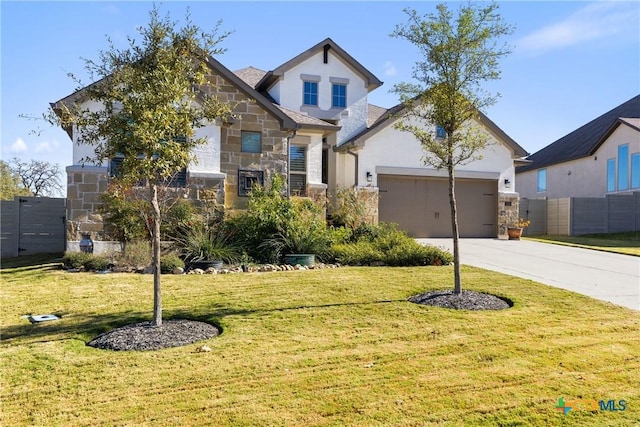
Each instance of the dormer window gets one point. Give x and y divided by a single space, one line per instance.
310 93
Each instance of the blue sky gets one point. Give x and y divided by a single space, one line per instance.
572 61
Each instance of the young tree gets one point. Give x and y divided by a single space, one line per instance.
42 178
459 53
10 185
153 95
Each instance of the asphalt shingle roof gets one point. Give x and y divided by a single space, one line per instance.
583 141
250 75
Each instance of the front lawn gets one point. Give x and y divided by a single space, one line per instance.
324 347
622 243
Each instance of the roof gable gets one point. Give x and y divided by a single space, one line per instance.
242 80
631 122
585 140
391 115
271 77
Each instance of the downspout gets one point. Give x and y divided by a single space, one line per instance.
355 157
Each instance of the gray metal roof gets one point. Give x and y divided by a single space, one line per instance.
585 140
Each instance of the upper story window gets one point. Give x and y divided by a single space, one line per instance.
611 175
339 96
440 132
310 93
542 180
251 142
623 167
635 170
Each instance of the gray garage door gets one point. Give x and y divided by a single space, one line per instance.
421 205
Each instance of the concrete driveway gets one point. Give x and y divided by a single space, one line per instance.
602 275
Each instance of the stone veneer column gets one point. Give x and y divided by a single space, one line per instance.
508 211
84 185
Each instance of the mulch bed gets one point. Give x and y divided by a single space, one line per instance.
145 336
468 300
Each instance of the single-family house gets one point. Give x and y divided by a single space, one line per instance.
598 159
309 120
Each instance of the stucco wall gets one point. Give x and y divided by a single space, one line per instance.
585 177
288 92
392 148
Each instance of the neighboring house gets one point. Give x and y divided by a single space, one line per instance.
598 159
309 120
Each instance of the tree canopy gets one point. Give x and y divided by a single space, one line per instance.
150 98
40 177
10 185
459 52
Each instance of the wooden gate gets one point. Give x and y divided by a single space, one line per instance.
32 225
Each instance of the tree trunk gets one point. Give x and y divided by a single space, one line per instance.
157 298
457 285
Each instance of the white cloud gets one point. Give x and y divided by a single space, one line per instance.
389 69
19 146
596 21
47 146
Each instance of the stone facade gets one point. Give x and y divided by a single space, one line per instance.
84 186
249 116
508 208
86 183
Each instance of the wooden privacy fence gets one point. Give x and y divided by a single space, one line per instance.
32 225
582 215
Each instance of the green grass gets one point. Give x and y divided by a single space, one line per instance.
623 243
326 347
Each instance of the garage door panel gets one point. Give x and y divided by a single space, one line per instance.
421 205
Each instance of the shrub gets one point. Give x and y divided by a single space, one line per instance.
354 207
359 253
274 225
385 244
75 259
88 261
135 254
169 262
305 232
97 263
202 242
